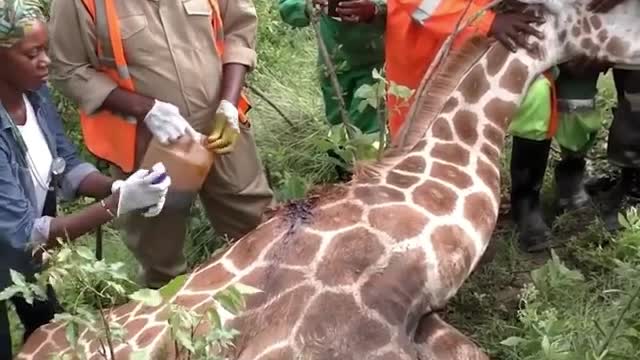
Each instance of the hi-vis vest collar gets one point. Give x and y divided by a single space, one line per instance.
425 10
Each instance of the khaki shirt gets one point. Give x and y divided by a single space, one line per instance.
169 47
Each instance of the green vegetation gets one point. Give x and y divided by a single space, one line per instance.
579 304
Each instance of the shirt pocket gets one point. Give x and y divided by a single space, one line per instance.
198 14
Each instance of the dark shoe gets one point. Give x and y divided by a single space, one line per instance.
528 165
570 190
619 198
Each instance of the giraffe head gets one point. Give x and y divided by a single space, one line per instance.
572 30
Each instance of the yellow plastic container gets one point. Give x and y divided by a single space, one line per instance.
187 162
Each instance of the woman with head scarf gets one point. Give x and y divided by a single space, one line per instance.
38 163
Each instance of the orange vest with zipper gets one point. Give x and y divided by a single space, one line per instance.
109 136
415 31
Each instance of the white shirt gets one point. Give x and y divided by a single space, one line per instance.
39 156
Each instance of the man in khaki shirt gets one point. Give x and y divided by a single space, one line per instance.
170 51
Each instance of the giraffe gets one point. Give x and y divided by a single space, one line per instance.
359 270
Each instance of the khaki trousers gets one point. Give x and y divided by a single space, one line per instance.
235 195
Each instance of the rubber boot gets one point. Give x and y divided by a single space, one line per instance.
571 193
528 165
618 198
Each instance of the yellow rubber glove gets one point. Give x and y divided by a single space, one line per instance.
226 129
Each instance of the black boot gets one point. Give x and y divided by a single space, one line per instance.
569 178
528 165
618 198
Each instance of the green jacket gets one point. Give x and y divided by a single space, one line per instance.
351 46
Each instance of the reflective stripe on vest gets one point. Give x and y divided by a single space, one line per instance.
425 10
576 105
109 136
553 119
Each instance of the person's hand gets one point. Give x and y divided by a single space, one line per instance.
356 11
167 125
226 128
601 6
142 190
512 29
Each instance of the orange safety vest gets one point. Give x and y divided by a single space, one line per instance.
415 31
109 136
553 120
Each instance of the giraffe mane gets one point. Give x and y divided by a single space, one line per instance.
439 87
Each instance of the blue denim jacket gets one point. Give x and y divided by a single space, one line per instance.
17 191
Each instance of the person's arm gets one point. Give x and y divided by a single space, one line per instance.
23 229
294 12
240 30
74 61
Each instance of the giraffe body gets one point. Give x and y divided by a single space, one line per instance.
356 271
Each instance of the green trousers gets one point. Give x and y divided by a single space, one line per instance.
576 130
350 81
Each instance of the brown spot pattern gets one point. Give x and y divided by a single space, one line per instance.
347 256
596 22
435 198
400 222
474 85
272 280
455 252
562 36
247 251
515 77
297 249
337 217
149 335
617 47
372 195
575 31
586 27
419 146
347 334
392 291
190 301
603 35
496 58
466 126
441 130
400 180
451 174
489 176
588 45
215 277
450 105
413 164
490 153
479 211
452 153
256 334
494 135
499 112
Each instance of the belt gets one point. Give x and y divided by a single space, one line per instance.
576 105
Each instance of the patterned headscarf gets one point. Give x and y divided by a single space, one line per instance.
17 17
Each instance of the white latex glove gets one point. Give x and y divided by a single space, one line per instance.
167 125
226 128
138 191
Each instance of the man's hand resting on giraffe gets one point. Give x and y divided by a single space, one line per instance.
601 6
512 28
226 128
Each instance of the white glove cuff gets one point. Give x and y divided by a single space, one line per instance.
116 185
231 112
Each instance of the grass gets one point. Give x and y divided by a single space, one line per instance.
497 302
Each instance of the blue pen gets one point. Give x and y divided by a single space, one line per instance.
160 178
